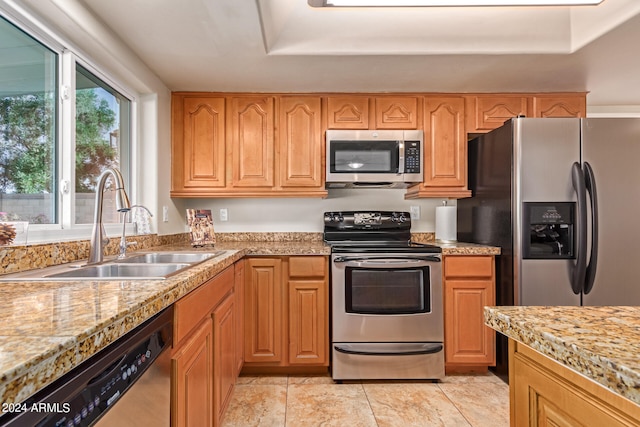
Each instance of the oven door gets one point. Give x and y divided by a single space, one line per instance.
387 298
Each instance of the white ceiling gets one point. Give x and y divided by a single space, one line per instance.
287 46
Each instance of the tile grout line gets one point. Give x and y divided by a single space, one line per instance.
286 402
364 390
454 404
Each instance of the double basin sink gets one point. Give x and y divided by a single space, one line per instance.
152 265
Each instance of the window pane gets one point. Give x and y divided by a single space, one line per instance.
102 141
28 82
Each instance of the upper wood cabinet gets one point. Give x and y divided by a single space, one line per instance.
300 142
445 149
348 112
559 105
377 112
272 145
397 112
488 112
245 145
251 132
198 149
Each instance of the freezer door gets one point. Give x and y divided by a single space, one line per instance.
612 148
544 152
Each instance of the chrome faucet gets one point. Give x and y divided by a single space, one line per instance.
123 240
98 235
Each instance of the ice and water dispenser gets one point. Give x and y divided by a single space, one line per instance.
548 230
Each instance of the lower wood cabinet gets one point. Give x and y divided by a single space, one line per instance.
469 285
544 392
239 309
286 311
192 379
204 359
225 367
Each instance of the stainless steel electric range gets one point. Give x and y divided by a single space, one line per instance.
387 311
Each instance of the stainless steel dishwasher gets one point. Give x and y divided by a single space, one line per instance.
126 384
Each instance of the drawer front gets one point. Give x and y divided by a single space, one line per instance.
198 304
468 266
307 266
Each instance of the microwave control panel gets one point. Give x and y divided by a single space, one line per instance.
412 157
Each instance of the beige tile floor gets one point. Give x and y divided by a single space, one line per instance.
301 401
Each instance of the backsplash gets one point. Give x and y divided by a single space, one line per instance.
20 258
29 257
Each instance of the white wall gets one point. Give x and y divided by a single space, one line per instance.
287 214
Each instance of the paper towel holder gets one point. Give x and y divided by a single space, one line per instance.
446 223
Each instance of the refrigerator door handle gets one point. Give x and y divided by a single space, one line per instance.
579 270
590 183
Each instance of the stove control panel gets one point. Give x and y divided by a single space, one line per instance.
367 220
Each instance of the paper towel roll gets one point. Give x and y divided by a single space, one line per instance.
446 223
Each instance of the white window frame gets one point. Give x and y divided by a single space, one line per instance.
68 57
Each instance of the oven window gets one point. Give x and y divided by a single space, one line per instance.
387 291
364 157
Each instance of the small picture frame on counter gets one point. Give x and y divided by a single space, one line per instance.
201 230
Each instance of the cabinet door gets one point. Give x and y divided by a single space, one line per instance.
198 144
300 141
397 112
224 356
308 310
468 287
192 387
489 112
468 341
348 112
559 106
239 295
445 150
308 337
252 146
546 393
445 143
264 315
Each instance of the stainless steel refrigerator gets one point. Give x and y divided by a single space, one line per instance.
561 197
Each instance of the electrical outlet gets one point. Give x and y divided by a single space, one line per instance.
415 212
224 214
165 214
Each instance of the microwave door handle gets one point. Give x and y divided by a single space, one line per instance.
400 157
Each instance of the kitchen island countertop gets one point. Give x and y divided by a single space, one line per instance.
601 343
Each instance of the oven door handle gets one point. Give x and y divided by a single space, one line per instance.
384 258
429 348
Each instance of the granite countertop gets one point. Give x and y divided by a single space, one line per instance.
461 248
601 343
51 327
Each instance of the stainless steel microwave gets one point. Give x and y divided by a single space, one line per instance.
374 158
